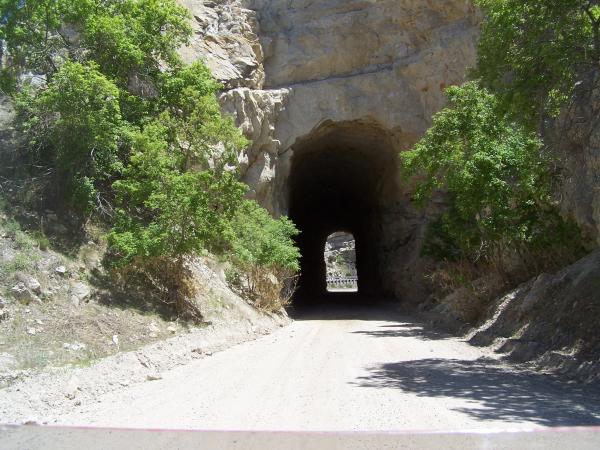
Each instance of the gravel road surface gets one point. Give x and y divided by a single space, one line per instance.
347 370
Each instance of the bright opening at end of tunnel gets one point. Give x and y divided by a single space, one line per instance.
340 263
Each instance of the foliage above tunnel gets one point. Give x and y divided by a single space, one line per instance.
531 51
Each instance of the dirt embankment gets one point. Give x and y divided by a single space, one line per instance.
59 307
550 322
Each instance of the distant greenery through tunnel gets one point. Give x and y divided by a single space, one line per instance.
340 263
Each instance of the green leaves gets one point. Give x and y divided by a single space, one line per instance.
135 36
482 153
74 125
130 40
193 115
166 210
530 52
261 241
30 32
80 108
492 170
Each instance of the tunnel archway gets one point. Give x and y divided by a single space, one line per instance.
344 176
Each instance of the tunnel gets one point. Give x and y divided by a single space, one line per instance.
343 178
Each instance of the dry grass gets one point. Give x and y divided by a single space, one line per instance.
170 279
59 326
269 291
56 332
467 289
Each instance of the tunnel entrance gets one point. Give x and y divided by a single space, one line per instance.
340 263
344 177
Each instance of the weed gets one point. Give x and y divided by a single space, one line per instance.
23 241
23 261
12 228
41 239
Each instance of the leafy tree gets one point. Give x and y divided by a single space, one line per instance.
130 40
74 125
481 150
531 51
196 126
494 174
166 210
167 214
84 73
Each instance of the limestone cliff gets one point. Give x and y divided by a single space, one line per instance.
300 73
575 140
298 64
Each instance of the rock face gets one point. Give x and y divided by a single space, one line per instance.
346 60
225 38
256 112
303 64
301 75
575 140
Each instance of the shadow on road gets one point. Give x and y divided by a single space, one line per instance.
500 393
345 306
411 329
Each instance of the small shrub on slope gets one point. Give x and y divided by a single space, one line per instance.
263 250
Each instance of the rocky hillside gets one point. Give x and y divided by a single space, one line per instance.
61 308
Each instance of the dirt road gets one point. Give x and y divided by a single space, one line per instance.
364 370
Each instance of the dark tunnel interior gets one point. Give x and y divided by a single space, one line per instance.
338 182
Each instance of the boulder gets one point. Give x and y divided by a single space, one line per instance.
79 292
30 282
22 294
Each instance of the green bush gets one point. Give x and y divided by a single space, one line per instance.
166 210
263 250
128 39
531 51
496 179
85 74
74 126
263 241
